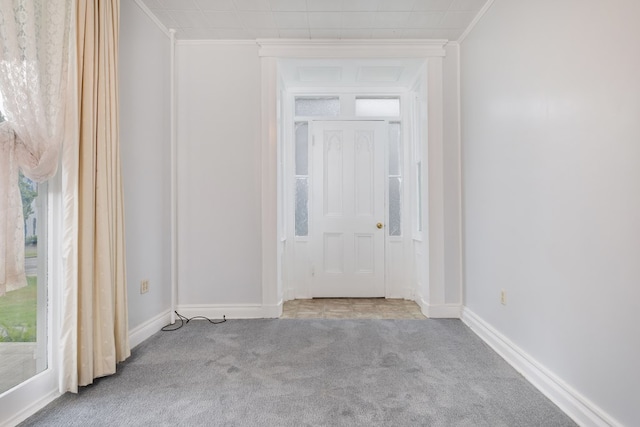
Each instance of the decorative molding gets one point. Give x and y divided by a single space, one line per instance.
231 311
475 20
579 408
173 126
141 332
409 48
272 311
30 410
439 311
268 149
216 42
153 17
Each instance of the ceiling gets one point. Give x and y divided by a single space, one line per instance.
315 19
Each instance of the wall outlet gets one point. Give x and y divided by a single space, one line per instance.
503 297
144 286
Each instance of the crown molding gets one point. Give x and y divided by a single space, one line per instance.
475 20
153 17
299 48
216 42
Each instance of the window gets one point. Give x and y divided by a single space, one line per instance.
377 107
395 179
23 315
23 311
317 106
302 179
2 119
419 196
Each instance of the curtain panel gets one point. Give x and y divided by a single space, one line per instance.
103 335
95 334
58 79
34 71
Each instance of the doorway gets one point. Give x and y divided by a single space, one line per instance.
348 213
416 255
345 195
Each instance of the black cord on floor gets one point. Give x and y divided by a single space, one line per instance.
184 320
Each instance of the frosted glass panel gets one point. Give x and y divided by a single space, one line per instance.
395 224
394 149
302 148
302 207
381 107
318 106
419 195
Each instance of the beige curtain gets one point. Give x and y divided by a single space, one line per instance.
102 324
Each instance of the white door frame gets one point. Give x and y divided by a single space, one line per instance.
432 295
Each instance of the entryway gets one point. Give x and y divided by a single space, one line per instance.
348 214
346 196
351 308
403 84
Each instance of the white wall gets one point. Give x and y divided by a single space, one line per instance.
219 186
551 164
145 146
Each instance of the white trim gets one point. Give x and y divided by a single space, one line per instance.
217 42
438 311
30 410
433 51
303 48
475 20
141 332
174 174
460 179
579 408
231 311
272 311
153 17
268 149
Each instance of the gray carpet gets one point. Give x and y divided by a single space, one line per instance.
294 372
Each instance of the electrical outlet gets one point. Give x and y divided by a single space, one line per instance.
144 286
503 297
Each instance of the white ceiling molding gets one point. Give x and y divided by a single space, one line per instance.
297 48
152 16
184 42
475 21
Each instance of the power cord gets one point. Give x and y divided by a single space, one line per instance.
184 320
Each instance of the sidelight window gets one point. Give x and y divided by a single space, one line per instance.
302 179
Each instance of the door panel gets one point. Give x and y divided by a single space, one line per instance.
348 202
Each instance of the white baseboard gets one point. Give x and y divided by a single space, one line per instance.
148 328
579 408
439 311
231 311
28 411
272 311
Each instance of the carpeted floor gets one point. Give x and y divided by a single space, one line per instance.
299 372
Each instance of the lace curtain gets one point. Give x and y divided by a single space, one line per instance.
34 66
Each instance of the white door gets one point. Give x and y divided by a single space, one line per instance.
348 209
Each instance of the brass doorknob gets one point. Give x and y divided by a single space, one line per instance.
379 225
